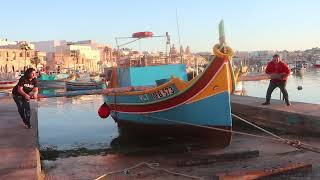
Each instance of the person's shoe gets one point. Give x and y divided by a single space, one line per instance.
288 103
29 126
265 103
24 125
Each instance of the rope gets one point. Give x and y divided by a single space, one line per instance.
154 166
213 128
258 127
293 143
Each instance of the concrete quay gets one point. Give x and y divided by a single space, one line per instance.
299 118
20 157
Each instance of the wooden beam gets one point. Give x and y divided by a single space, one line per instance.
267 173
212 158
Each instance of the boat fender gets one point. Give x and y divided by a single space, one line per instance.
229 52
104 111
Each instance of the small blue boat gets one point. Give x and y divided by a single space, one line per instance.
54 81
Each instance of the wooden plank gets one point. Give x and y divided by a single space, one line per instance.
212 158
287 170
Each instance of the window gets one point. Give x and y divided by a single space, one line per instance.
28 54
21 54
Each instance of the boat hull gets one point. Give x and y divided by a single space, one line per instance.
55 84
208 136
7 84
75 86
184 120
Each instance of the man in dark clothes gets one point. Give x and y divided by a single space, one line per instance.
279 72
20 93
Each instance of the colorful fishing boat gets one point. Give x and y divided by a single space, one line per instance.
173 106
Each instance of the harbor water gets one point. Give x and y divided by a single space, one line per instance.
67 123
309 81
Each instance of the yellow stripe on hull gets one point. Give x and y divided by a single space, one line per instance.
217 85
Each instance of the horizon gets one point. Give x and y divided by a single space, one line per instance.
249 26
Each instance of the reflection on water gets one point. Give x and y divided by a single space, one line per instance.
71 126
67 123
309 80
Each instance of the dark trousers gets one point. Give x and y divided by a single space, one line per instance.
282 86
23 108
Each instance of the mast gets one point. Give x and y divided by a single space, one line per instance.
181 61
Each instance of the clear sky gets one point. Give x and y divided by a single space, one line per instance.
249 24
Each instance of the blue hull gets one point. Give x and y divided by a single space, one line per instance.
212 111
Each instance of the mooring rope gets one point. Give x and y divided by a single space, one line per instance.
293 143
154 166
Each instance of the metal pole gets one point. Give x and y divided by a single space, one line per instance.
179 36
25 59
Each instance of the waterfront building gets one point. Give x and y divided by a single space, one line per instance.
84 55
18 56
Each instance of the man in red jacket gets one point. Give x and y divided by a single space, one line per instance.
278 72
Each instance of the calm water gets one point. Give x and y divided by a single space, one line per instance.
70 123
310 82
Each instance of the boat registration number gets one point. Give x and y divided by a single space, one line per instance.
162 93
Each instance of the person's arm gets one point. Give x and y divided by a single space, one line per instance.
25 95
268 69
35 93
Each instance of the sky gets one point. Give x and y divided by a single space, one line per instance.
249 24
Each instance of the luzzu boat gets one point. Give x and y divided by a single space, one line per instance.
175 107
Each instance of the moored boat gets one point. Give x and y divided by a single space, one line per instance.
84 85
7 84
174 106
54 81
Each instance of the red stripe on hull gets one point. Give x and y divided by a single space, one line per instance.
10 82
207 136
198 86
317 65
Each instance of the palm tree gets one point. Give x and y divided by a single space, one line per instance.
25 46
36 60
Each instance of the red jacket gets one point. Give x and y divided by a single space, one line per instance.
278 68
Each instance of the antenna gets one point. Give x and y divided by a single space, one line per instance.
179 35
